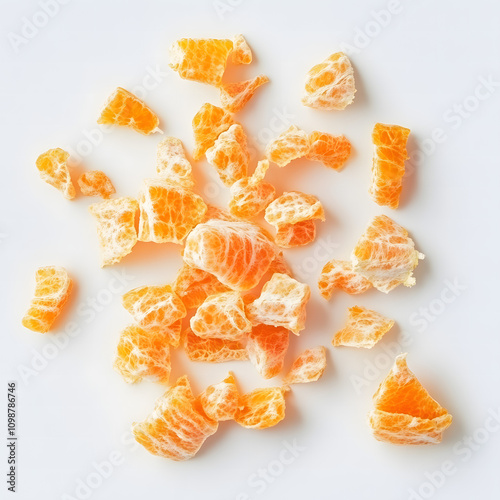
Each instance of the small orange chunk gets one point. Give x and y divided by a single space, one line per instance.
330 84
364 328
234 96
293 207
217 213
52 290
96 183
115 228
331 150
295 235
242 54
339 275
125 109
388 166
308 367
213 350
261 408
220 401
172 164
293 143
53 168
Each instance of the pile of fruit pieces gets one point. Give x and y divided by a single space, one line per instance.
234 277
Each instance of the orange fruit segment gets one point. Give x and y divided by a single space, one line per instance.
125 109
168 211
155 309
331 150
53 168
229 155
221 316
293 207
200 59
404 411
282 302
388 166
385 255
217 213
308 367
172 164
52 290
234 96
142 355
213 350
364 328
115 228
339 275
261 408
242 54
266 347
295 235
220 401
251 195
177 426
293 143
237 253
208 123
330 84
96 183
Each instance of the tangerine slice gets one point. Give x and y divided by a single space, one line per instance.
53 286
242 54
193 286
115 228
404 412
208 124
155 308
251 195
125 109
53 168
234 96
293 207
96 183
388 166
339 274
172 164
282 303
261 408
142 355
308 367
221 316
168 211
385 255
295 235
218 213
293 143
220 401
364 328
330 84
237 253
213 350
229 155
177 427
266 347
200 59
331 150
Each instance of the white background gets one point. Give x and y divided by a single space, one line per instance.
418 70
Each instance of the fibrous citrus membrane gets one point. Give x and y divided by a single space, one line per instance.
177 427
308 367
168 211
331 150
282 303
142 354
293 207
220 401
386 255
339 275
237 253
388 166
213 350
242 54
293 143
125 109
115 228
208 123
172 164
217 213
364 328
200 59
266 347
234 96
221 316
261 408
156 309
96 183
229 155
295 235
330 84
251 195
53 168
404 411
53 286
